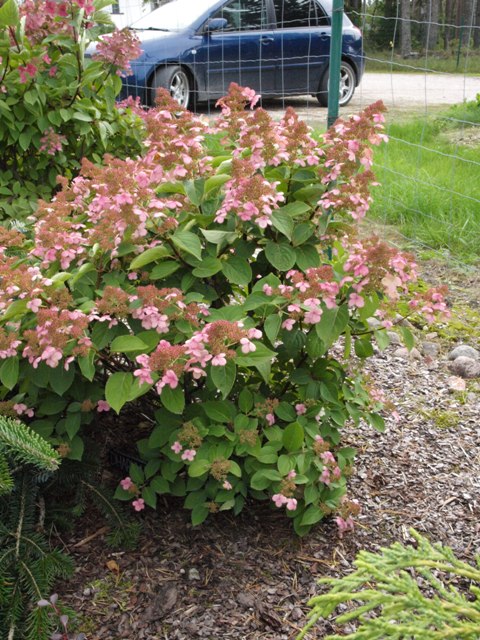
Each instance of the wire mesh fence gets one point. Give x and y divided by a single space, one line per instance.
422 59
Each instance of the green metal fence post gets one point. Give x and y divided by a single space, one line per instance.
335 60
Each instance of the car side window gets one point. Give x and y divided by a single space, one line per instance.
299 13
243 15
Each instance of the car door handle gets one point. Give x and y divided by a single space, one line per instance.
266 40
324 36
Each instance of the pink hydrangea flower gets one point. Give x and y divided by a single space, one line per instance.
138 504
189 454
328 457
226 485
22 409
176 447
288 324
291 474
300 409
219 360
291 504
102 405
325 476
247 346
279 499
344 525
126 483
270 418
34 305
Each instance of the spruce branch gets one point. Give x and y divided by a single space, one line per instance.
26 446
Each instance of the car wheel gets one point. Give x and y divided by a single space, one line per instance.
176 81
347 85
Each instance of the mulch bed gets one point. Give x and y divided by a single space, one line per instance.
250 578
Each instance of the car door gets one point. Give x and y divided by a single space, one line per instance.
242 51
302 43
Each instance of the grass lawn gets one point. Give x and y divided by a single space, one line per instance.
430 177
390 62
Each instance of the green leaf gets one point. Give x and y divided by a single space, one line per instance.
219 410
382 338
295 209
332 325
307 257
118 389
160 485
199 514
125 344
9 372
286 412
263 478
72 424
245 400
311 515
61 380
164 269
194 190
280 255
86 364
272 326
252 359
293 436
198 467
52 405
173 399
188 242
216 181
152 467
301 233
283 222
377 422
217 237
284 465
208 267
363 347
237 270
224 377
76 448
9 16
408 339
150 255
235 469
150 497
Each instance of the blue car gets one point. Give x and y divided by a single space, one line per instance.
196 48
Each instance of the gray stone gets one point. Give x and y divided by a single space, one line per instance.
430 349
455 383
464 350
405 354
394 337
374 323
193 574
465 367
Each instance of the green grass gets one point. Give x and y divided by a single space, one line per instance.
440 62
430 177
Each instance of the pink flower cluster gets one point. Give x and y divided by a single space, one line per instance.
51 142
279 499
118 49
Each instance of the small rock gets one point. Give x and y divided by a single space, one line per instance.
431 335
430 349
374 323
465 367
193 574
405 354
394 337
296 614
456 384
246 600
87 592
464 350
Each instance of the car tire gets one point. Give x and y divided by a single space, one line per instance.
176 80
347 85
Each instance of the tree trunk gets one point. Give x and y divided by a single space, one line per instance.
432 27
405 29
476 31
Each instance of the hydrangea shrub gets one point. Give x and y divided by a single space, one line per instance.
56 104
219 286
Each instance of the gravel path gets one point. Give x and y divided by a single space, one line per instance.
250 578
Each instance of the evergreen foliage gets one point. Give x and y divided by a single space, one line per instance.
28 567
404 593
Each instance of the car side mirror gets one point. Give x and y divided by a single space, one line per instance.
215 24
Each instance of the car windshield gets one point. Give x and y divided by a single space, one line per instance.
175 15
